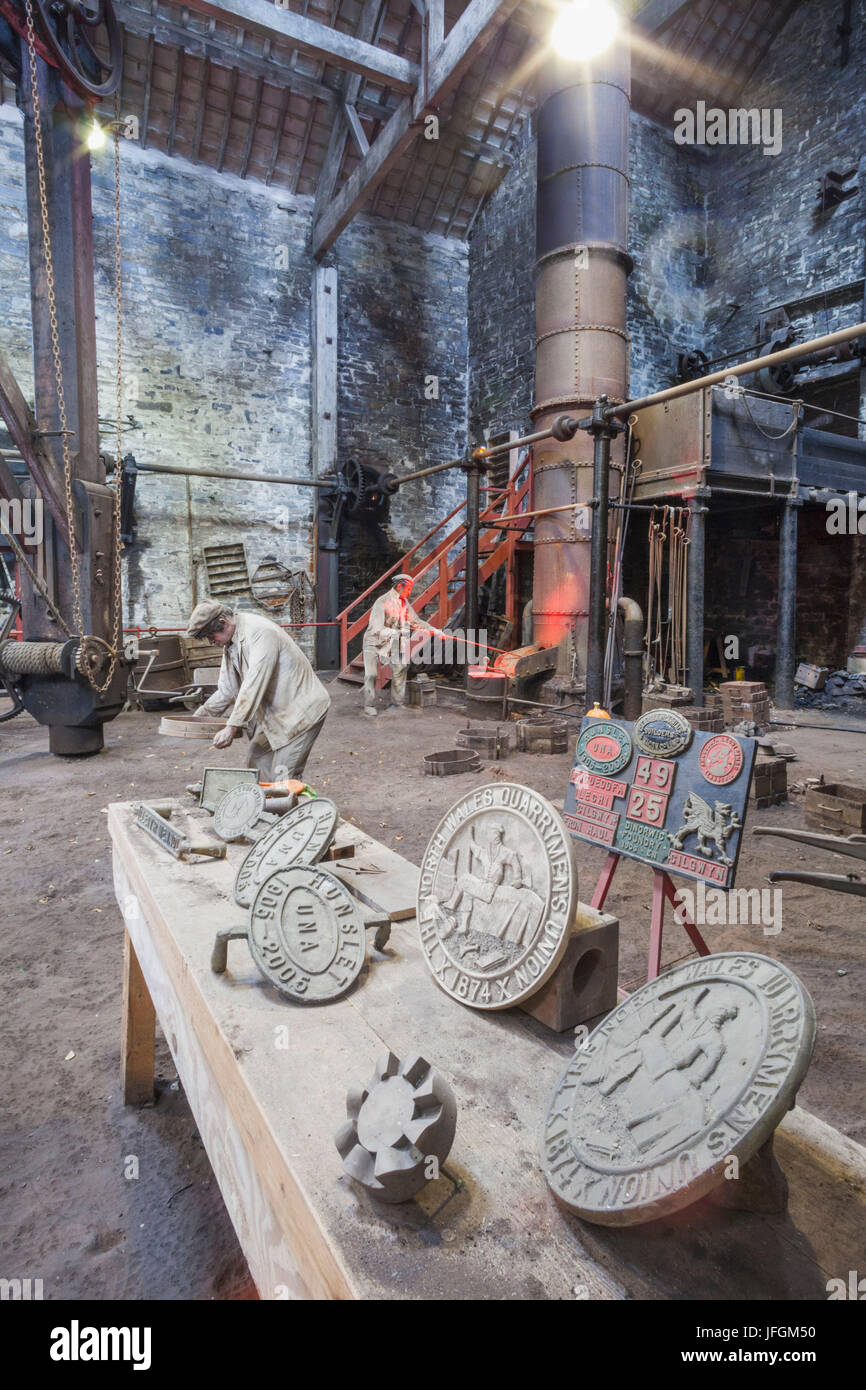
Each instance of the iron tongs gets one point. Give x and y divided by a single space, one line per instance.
853 845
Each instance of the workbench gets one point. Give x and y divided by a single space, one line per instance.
266 1081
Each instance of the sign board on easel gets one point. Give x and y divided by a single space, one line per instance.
660 792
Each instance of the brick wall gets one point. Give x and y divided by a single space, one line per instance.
742 582
667 240
401 379
502 301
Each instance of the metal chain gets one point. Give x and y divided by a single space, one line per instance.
117 614
75 566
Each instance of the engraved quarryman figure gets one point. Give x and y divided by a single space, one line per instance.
496 880
669 1062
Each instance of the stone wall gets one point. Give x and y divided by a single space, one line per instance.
769 243
216 280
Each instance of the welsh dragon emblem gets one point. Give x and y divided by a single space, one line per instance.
717 826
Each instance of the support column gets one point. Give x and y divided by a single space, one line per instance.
73 711
70 222
324 459
470 603
603 432
695 577
787 629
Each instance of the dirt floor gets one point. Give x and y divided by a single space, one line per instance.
73 1213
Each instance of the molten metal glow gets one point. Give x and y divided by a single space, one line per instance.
584 29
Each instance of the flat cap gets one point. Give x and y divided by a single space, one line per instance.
203 615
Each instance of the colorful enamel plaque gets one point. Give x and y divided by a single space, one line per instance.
661 792
604 747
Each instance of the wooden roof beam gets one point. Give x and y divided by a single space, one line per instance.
215 50
319 40
472 32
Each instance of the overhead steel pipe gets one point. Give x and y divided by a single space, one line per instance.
756 364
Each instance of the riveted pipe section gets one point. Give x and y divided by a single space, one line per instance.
582 342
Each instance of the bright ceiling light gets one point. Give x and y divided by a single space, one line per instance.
584 29
96 136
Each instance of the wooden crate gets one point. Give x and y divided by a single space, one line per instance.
836 806
198 653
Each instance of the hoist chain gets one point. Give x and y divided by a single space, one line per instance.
86 644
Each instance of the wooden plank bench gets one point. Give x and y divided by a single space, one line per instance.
266 1081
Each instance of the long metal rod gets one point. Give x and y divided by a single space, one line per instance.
786 638
757 364
695 570
434 468
598 571
481 453
231 473
470 605
510 444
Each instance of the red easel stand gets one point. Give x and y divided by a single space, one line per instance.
663 889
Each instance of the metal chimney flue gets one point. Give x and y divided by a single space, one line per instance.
582 343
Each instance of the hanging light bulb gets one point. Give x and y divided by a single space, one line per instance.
584 29
96 136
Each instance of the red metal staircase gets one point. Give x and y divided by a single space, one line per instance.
439 592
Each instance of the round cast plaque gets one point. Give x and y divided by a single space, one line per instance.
300 837
237 812
694 1067
306 934
496 896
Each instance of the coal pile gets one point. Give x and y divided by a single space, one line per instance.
843 690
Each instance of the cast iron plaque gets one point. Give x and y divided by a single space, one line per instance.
306 934
216 781
302 836
682 812
698 1065
238 811
496 896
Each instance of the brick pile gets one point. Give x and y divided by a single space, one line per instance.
707 721
769 782
745 702
667 697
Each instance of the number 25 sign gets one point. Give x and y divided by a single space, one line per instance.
648 798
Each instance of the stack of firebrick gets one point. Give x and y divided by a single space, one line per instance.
745 701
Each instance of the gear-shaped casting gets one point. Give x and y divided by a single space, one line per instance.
400 1128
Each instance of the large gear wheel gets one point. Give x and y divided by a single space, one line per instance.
92 658
356 487
66 34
